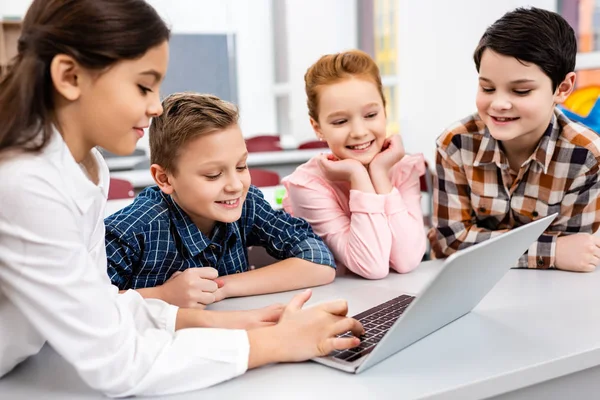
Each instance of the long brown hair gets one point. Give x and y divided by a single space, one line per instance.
96 33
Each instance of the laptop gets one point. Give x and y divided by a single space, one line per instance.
465 278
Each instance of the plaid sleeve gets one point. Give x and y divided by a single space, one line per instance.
284 236
454 226
121 256
579 212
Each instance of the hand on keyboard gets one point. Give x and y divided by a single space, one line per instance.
302 334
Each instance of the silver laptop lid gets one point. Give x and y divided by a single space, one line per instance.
465 278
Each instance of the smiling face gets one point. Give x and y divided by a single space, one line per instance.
211 180
515 99
351 119
114 106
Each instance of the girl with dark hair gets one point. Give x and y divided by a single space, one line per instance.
88 74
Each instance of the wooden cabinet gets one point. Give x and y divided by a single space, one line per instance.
10 30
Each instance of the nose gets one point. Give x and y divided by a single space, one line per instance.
234 183
155 107
501 103
359 129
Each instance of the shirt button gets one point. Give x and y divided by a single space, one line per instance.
481 209
540 262
212 247
237 271
535 214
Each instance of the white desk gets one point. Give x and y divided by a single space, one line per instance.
112 206
533 327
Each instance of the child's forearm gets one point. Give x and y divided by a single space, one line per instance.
196 318
381 181
290 274
362 182
151 293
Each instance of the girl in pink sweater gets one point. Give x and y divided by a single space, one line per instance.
364 198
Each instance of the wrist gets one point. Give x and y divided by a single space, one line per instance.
378 169
265 347
156 292
360 180
190 318
160 293
226 290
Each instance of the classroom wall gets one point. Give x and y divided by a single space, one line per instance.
250 21
437 78
315 27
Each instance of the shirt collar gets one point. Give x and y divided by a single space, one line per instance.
490 152
76 183
192 238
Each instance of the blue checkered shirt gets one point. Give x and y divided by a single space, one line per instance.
149 240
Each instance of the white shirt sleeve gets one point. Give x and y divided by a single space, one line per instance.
121 345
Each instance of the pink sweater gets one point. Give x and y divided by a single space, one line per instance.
368 233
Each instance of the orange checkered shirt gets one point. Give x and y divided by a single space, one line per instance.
476 198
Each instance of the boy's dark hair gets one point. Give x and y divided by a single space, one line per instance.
533 35
186 116
96 33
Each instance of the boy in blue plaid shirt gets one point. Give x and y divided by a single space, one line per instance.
185 240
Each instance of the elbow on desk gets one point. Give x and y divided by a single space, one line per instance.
409 263
368 272
327 275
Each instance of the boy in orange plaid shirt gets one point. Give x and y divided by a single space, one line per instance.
519 158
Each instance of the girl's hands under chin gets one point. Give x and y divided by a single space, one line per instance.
339 170
392 151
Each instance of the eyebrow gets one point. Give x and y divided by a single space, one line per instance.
340 113
157 75
513 82
220 163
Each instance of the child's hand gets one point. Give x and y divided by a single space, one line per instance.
579 252
249 319
312 332
339 170
391 152
192 288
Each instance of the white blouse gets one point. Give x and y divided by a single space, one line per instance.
54 287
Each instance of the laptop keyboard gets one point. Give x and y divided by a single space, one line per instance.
376 321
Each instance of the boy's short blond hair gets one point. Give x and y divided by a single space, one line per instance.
187 116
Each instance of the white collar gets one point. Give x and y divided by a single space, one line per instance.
76 183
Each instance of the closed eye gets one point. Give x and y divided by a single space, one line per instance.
339 122
371 115
522 92
144 89
242 168
487 90
213 177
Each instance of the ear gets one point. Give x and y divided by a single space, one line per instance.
565 88
162 178
65 74
317 128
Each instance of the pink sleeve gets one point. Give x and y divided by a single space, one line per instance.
405 216
356 240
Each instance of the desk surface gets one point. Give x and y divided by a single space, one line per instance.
521 334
